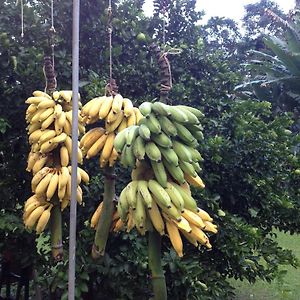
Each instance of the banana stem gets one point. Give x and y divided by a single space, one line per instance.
104 222
158 277
56 233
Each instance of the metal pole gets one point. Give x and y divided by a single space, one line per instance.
73 209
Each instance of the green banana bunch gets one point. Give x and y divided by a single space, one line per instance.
166 138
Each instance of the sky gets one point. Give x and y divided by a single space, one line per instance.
233 9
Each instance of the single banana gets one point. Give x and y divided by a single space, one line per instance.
43 220
52 187
156 218
128 107
96 215
175 238
117 103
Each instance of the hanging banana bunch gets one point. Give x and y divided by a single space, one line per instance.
49 129
166 138
117 113
161 149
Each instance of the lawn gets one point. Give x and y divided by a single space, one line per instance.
287 288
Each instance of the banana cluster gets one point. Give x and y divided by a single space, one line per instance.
166 137
50 130
37 211
117 114
146 205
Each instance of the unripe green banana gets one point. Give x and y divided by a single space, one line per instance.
120 140
184 134
171 211
152 123
167 126
139 214
160 173
139 148
189 201
182 151
153 151
161 108
178 115
162 140
198 135
170 155
145 108
123 158
174 171
131 134
131 191
144 191
130 158
175 196
123 206
187 168
159 192
193 110
196 156
196 167
144 132
192 118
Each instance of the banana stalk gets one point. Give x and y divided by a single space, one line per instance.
56 233
158 277
104 222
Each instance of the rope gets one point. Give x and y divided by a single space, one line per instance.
52 32
111 88
109 26
22 19
164 27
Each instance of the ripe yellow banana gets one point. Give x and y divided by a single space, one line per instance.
34 216
128 107
156 218
52 187
95 108
96 215
105 107
175 237
113 157
64 156
97 146
117 103
108 146
84 175
40 94
195 181
138 115
91 137
193 218
32 158
39 164
43 184
131 120
46 136
43 220
113 126
38 177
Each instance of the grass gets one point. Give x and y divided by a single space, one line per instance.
286 288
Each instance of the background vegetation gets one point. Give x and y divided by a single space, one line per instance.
250 150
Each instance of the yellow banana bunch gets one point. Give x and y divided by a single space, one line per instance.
49 119
145 204
117 113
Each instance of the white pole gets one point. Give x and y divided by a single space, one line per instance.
73 208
